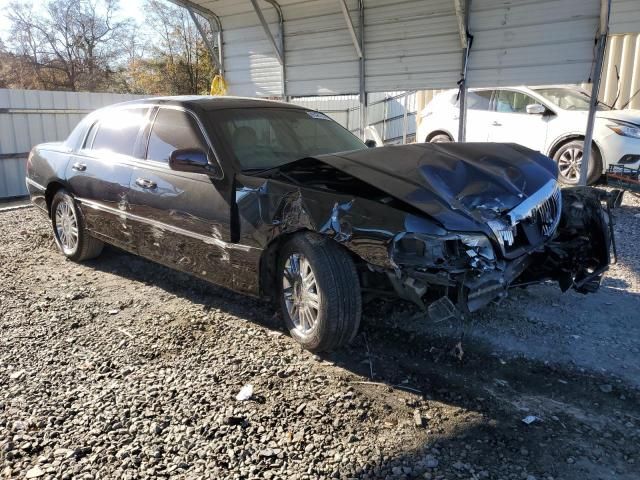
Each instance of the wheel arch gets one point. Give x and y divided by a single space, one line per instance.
564 139
53 187
438 132
267 273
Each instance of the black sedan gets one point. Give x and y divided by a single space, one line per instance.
275 200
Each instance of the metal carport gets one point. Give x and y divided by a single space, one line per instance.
284 48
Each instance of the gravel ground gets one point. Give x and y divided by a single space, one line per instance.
120 368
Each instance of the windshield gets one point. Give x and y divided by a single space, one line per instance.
568 99
263 138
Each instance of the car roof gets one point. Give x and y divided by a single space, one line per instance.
209 103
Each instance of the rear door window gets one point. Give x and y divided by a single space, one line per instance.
508 101
480 100
117 131
172 130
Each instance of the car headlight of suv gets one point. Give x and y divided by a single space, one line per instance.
625 129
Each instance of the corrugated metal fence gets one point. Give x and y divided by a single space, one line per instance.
29 117
623 56
393 114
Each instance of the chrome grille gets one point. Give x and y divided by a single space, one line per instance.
543 209
548 213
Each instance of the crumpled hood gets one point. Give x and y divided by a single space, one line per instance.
460 185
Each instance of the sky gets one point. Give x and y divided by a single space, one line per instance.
128 8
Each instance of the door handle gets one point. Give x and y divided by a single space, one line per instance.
144 183
496 124
79 167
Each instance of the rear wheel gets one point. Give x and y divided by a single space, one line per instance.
319 292
440 138
69 231
569 158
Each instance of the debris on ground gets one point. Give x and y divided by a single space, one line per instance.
529 419
245 393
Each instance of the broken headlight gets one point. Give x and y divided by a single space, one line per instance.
478 246
455 250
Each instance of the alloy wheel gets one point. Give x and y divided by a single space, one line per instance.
569 163
66 226
301 295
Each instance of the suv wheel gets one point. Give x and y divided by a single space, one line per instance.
68 229
440 138
569 158
319 292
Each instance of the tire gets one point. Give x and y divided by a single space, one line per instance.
570 155
334 287
440 138
66 220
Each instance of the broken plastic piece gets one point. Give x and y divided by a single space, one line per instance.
529 419
442 309
245 393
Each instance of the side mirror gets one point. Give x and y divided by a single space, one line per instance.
371 143
536 109
191 160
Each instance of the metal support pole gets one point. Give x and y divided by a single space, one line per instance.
362 90
462 12
205 38
352 30
405 120
595 90
210 16
218 29
267 31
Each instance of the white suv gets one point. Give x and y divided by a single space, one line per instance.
549 119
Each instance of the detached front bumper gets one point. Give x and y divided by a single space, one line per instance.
576 255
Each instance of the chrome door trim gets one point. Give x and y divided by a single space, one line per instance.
33 183
165 226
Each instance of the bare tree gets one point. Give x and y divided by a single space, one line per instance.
176 60
72 45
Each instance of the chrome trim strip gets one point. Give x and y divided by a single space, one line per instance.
28 182
526 208
165 226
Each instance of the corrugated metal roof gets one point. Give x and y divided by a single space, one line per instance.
251 67
625 16
409 44
414 44
320 56
532 42
623 60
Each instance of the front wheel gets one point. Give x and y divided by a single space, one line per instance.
69 231
569 158
319 292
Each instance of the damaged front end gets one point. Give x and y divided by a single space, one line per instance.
560 235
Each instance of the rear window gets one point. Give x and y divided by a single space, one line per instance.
117 131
